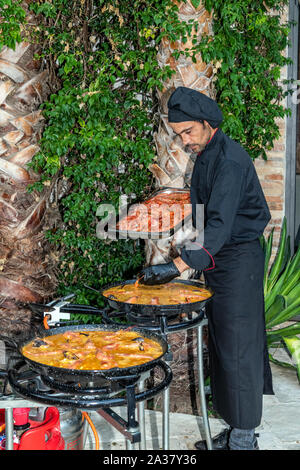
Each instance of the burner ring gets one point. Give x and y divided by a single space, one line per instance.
73 388
85 401
154 323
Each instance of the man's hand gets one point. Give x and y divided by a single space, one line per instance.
180 265
162 273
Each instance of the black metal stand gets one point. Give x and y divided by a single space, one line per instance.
160 324
32 391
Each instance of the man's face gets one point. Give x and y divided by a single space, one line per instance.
194 135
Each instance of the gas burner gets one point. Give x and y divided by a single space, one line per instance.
162 323
112 391
144 320
97 395
137 318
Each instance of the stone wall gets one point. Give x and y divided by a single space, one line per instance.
271 173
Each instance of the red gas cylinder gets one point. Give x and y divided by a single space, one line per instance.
40 435
45 435
2 417
21 417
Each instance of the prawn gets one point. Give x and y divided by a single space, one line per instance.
107 361
136 356
71 335
90 345
109 346
103 356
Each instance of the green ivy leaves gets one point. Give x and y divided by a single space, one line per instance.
12 17
249 44
100 124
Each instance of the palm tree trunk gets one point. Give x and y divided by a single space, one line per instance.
173 168
27 267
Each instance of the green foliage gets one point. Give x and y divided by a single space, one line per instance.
12 17
100 124
248 49
292 345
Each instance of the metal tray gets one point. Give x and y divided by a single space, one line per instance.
125 234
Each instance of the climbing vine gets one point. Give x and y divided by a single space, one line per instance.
100 121
12 17
249 50
102 112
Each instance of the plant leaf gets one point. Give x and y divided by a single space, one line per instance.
278 334
293 347
295 262
276 308
285 314
280 258
281 363
293 296
195 3
291 283
277 289
268 250
286 287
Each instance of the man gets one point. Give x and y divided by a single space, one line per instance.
235 215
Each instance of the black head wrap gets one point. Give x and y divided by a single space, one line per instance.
186 104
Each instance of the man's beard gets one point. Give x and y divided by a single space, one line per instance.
199 148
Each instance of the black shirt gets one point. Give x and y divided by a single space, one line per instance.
224 179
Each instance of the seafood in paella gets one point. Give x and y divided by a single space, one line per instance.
171 293
93 350
160 213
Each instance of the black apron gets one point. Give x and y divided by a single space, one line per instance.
239 367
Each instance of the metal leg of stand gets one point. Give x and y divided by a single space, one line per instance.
9 429
128 445
202 389
166 417
141 415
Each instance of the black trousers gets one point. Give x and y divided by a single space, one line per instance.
239 368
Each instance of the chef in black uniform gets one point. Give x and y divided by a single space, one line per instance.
224 180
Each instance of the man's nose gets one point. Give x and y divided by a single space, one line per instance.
185 139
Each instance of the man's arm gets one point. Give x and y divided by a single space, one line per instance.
220 214
221 211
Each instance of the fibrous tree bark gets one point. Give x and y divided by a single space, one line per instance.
173 168
27 264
